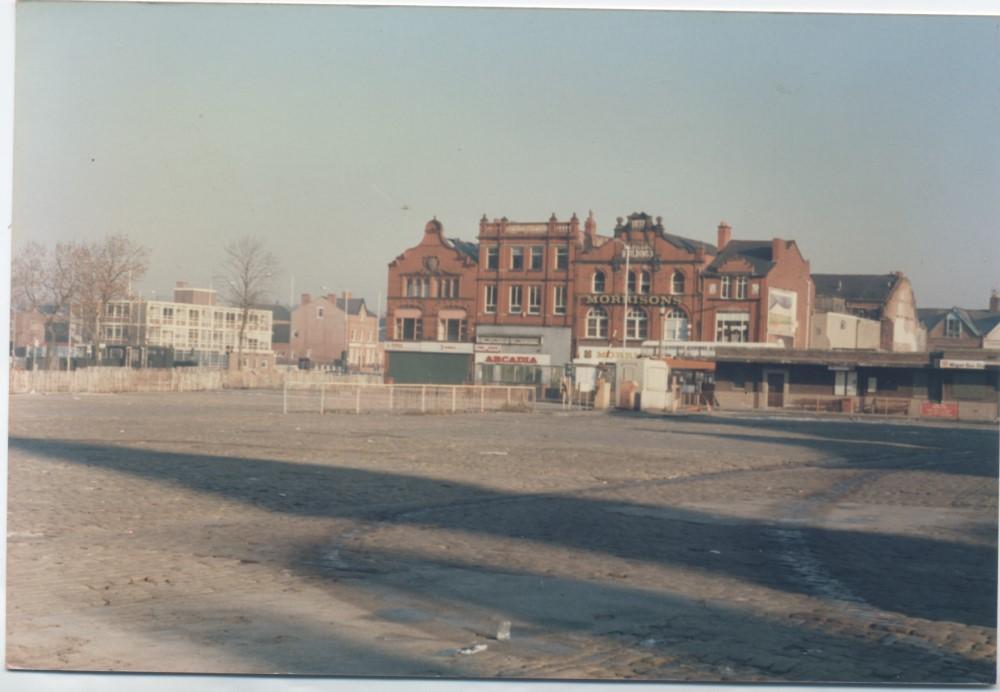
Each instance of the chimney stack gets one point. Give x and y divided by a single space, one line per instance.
725 235
995 301
777 249
182 284
306 299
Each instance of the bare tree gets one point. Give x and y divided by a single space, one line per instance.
47 285
246 279
28 277
105 271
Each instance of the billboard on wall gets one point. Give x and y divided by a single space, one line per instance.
781 308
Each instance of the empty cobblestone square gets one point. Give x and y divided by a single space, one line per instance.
207 532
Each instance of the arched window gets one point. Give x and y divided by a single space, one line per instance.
638 282
637 324
675 326
597 323
598 283
644 282
677 284
741 287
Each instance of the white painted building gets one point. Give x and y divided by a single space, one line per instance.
192 327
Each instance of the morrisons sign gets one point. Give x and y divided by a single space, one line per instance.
641 299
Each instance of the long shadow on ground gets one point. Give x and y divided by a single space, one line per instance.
940 580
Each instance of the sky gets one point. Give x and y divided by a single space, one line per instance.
335 133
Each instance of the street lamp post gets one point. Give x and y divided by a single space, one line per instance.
69 340
628 257
663 327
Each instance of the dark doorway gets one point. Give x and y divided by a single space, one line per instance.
775 390
935 388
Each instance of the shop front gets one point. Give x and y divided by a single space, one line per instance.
523 355
918 385
520 369
428 362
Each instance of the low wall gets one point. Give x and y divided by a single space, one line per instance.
874 406
977 410
111 380
734 400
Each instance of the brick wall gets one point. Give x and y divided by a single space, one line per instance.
433 260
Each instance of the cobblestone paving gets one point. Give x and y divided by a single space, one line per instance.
209 533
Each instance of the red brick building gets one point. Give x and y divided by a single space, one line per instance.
525 271
756 291
661 284
431 310
547 288
432 290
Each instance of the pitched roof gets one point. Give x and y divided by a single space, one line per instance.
979 322
353 305
688 244
278 312
757 253
986 321
467 248
868 288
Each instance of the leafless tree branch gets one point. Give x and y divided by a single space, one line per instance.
246 274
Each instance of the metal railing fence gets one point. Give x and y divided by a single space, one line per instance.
404 398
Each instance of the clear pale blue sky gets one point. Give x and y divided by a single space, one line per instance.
872 141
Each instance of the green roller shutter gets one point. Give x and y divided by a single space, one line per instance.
429 368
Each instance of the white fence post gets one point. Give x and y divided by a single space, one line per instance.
391 390
423 398
482 399
357 399
322 397
454 391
